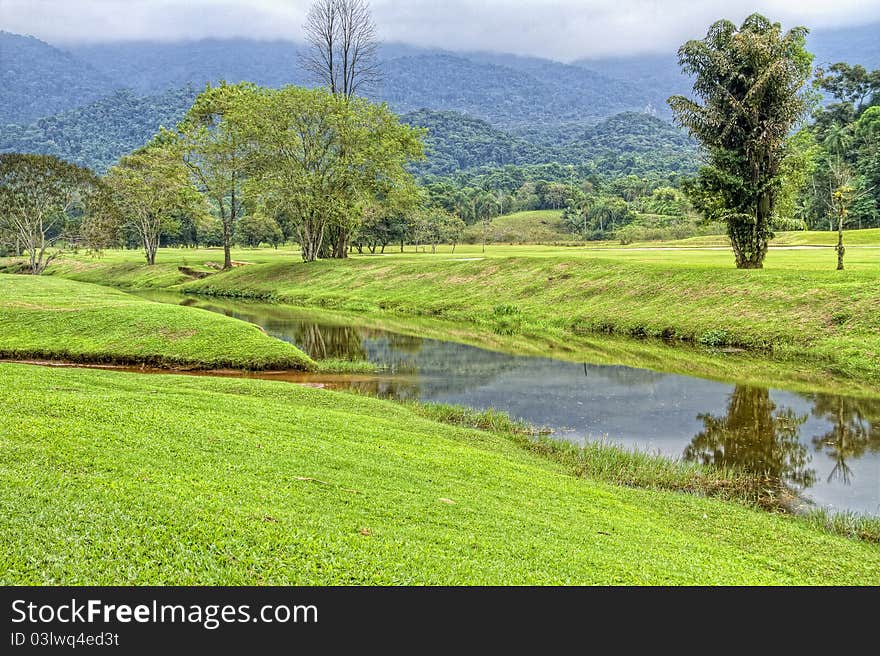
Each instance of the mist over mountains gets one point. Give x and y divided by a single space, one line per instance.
92 103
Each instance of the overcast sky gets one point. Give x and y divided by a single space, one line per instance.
559 29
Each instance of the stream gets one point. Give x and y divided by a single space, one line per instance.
826 447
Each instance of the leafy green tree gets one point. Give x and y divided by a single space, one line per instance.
214 149
150 188
42 203
440 227
796 171
256 228
598 216
750 81
854 85
845 189
320 159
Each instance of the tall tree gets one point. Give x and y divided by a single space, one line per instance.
214 150
844 190
42 202
320 159
343 46
750 81
150 188
342 56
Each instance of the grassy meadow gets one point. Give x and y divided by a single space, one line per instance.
797 311
120 478
45 318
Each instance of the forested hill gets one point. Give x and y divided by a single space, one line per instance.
39 80
626 143
457 142
528 90
99 133
545 93
658 76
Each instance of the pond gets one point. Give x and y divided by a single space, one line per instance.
825 446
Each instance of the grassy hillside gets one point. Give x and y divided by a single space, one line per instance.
866 237
797 311
108 480
535 227
51 318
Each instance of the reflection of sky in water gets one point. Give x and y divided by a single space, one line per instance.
636 408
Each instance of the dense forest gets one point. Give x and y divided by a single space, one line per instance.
504 133
97 134
39 80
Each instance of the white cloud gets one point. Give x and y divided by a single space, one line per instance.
562 29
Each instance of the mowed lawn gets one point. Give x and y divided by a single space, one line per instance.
797 309
43 317
116 478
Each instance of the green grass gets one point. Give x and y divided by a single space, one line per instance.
797 313
114 478
544 299
613 464
866 237
56 319
533 227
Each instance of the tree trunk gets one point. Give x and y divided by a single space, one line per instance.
748 237
840 249
227 256
340 250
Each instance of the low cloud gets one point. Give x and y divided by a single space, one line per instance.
560 29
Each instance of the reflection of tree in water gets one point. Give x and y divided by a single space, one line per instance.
855 430
323 342
756 437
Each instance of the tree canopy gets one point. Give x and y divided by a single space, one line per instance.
750 82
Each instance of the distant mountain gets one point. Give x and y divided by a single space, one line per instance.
854 45
502 95
659 76
38 80
626 143
98 134
483 109
503 89
150 67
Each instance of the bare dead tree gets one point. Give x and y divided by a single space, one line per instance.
343 53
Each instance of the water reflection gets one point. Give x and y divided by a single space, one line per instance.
854 431
754 435
826 444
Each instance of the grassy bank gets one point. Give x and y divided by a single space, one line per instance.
723 365
56 319
109 480
825 318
